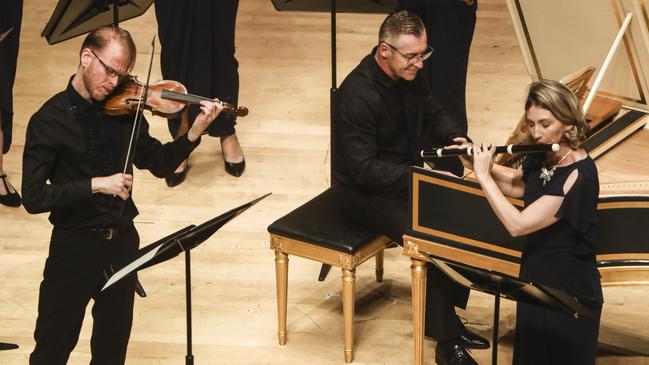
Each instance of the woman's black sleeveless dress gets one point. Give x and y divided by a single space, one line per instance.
561 256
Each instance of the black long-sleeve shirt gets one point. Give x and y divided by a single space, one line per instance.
380 125
69 141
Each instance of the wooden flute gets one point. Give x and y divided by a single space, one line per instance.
510 149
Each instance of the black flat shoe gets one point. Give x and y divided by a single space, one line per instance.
176 178
9 199
452 353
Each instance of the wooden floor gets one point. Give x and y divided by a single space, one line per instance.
285 79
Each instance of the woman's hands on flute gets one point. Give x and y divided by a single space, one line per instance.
483 159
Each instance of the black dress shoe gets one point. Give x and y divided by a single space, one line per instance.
452 353
10 199
176 178
472 340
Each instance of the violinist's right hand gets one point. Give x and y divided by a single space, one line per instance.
118 185
209 111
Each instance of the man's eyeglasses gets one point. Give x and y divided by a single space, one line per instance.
110 72
412 59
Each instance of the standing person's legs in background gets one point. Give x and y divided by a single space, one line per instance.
198 50
11 12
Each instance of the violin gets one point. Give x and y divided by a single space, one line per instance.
166 98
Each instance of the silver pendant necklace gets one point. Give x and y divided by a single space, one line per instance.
546 174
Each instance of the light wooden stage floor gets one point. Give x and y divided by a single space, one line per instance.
285 79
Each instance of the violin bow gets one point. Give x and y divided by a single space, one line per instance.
138 115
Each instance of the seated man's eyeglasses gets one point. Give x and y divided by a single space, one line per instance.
110 72
414 58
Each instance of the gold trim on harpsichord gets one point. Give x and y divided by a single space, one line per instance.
624 189
458 255
325 255
410 248
418 177
621 205
611 275
468 241
624 275
623 257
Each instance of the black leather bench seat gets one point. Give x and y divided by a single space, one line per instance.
320 221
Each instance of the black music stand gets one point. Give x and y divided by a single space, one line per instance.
170 247
72 18
333 7
506 286
7 346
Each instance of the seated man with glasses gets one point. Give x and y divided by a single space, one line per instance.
384 115
73 168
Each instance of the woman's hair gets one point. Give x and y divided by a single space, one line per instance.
101 37
563 104
400 23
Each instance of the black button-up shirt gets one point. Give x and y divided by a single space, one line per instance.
381 125
69 141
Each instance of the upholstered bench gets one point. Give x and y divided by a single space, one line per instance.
319 231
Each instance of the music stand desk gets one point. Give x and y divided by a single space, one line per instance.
171 246
487 281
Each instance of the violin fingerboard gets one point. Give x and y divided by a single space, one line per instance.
179 96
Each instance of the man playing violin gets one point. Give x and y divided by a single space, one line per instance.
73 167
384 115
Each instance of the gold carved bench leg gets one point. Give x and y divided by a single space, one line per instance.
281 281
349 283
379 266
418 273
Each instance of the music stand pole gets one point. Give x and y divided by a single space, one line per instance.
324 270
332 97
494 340
116 13
189 358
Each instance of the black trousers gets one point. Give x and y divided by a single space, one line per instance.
389 216
73 275
197 38
449 26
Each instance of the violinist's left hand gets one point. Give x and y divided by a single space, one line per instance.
209 111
